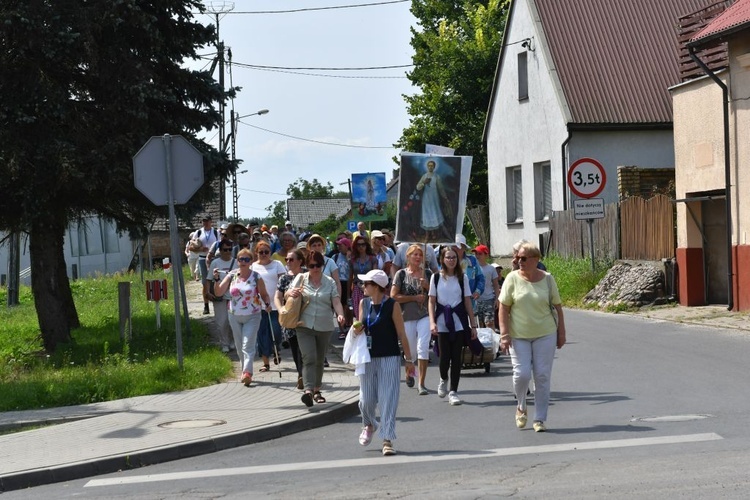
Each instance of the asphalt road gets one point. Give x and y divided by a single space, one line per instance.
639 408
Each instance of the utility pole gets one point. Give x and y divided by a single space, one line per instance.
218 9
235 196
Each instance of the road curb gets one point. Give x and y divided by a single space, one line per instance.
116 463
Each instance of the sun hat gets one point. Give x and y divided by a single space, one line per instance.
461 241
376 276
376 234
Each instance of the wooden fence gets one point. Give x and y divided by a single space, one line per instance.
647 228
570 237
636 229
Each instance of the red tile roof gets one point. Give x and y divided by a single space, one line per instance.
616 58
733 19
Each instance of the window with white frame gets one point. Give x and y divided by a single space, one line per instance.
514 194
523 76
542 191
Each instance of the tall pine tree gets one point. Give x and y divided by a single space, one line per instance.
85 84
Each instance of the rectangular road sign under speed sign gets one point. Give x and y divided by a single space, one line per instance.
592 208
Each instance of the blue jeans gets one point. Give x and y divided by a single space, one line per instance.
245 332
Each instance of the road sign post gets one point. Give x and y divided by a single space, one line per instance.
176 187
586 179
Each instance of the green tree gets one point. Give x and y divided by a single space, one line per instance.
84 85
456 50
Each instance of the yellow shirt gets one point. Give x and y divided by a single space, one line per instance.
529 303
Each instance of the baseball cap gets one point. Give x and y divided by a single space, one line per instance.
482 249
344 241
376 276
376 234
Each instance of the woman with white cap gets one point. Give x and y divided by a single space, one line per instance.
381 320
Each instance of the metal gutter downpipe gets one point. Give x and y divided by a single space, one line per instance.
727 171
564 168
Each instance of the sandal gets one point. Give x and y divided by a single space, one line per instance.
318 397
307 398
265 368
388 449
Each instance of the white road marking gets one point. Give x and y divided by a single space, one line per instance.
403 459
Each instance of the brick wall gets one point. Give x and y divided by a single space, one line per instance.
645 182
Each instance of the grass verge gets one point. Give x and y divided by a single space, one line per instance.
574 277
96 366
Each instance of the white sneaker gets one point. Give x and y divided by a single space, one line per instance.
225 349
453 399
442 388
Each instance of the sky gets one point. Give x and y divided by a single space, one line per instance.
369 113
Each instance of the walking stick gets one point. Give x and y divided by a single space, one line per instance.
276 356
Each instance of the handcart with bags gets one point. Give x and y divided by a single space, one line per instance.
490 342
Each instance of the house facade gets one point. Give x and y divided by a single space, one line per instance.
712 181
584 79
92 246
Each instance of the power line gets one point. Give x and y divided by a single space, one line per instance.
327 76
311 9
262 192
298 68
315 141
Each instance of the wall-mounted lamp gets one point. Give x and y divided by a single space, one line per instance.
528 44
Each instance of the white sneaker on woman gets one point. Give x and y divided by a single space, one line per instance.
453 399
442 388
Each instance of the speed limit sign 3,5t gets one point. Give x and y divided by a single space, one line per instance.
586 178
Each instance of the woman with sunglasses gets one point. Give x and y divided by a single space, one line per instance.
382 321
270 330
314 335
248 300
362 261
529 332
216 271
294 263
288 243
451 319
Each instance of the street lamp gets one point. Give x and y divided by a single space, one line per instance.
261 112
235 196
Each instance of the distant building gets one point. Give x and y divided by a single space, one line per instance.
303 213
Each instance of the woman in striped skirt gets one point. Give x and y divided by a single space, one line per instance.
383 324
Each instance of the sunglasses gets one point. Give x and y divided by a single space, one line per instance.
524 258
291 259
264 252
244 259
314 266
450 258
226 249
361 244
366 283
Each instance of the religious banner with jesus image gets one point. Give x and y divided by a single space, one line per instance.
432 197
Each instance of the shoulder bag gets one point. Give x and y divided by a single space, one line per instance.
552 308
289 315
